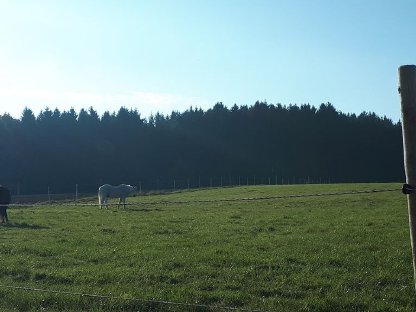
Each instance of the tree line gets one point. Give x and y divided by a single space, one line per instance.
286 143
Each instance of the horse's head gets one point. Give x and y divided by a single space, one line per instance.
132 189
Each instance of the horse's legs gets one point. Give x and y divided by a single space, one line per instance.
3 214
122 201
100 201
119 202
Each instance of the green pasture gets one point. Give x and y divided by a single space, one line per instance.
324 253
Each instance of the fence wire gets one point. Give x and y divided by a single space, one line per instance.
202 201
106 297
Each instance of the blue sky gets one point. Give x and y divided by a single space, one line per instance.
159 56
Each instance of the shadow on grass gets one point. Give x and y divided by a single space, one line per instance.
137 209
24 226
146 209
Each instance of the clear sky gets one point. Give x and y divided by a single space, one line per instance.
159 56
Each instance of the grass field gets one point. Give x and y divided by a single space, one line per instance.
326 253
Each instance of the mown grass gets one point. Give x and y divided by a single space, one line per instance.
328 253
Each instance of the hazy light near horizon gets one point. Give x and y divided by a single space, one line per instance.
146 103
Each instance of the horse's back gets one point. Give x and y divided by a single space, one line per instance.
105 186
116 191
122 190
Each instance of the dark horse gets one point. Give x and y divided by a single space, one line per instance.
4 203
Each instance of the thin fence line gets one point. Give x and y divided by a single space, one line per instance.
107 297
202 201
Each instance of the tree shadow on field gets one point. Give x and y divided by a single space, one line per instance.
24 226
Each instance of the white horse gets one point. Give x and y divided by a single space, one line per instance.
121 191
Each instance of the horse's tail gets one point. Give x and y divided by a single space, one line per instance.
100 198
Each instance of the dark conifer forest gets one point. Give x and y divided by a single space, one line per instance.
262 143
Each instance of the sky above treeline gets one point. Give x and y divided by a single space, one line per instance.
164 56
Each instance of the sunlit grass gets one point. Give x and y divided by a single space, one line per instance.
329 253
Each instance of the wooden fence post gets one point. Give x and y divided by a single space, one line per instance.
407 90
